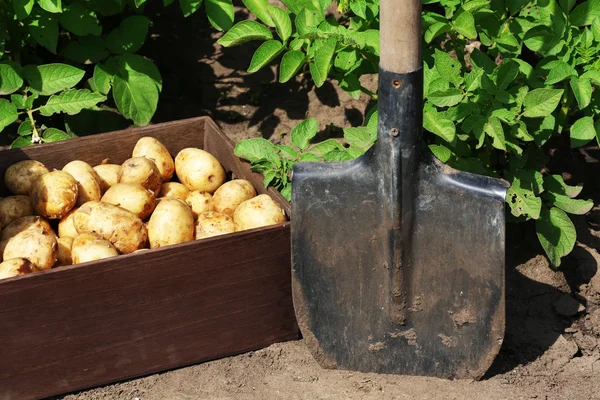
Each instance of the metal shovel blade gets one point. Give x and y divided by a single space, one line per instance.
398 259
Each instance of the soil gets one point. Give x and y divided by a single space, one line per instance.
551 348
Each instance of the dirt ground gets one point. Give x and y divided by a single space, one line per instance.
552 344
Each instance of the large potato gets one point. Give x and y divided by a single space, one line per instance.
231 194
256 212
174 189
24 223
132 197
14 207
154 150
35 245
16 267
213 223
171 222
107 175
115 224
66 227
90 247
199 201
65 244
19 176
87 181
199 170
54 194
143 171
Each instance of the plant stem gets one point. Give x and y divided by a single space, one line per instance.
35 136
368 92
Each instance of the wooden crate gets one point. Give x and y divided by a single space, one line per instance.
77 327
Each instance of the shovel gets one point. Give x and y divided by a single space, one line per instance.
398 259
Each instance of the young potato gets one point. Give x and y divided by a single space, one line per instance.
35 245
117 225
154 150
199 202
19 176
213 223
231 194
24 223
87 181
171 222
3 244
54 194
142 171
16 267
199 170
256 212
14 207
174 189
132 197
108 175
90 247
64 251
66 227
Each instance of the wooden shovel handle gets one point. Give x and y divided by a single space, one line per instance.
400 35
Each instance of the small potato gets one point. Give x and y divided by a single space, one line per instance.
36 246
107 174
213 223
19 176
199 202
54 194
199 170
3 244
171 222
64 251
174 189
231 194
87 181
66 227
154 150
24 223
256 212
117 225
132 197
142 171
16 267
90 247
14 207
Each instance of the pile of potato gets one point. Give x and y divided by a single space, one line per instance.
109 209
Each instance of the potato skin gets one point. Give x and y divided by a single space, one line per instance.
54 194
199 170
171 222
213 223
231 194
16 267
64 251
24 223
14 207
256 212
35 245
120 227
19 176
107 175
132 197
174 189
154 150
199 202
90 247
142 171
87 181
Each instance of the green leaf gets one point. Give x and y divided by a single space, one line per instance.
446 98
473 80
21 141
303 133
593 76
106 7
519 131
582 89
464 23
71 102
337 156
566 5
305 21
103 76
282 22
8 113
130 36
567 204
48 79
559 72
441 152
256 149
290 65
243 32
448 67
22 8
307 157
85 50
322 148
139 3
360 139
188 7
371 117
507 73
260 8
52 6
439 126
522 199
556 234
585 13
25 128
286 192
79 20
436 29
18 101
319 67
582 131
542 39
346 59
494 130
54 135
541 102
596 29
136 64
44 29
266 53
556 184
220 13
480 60
359 7
289 153
10 77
